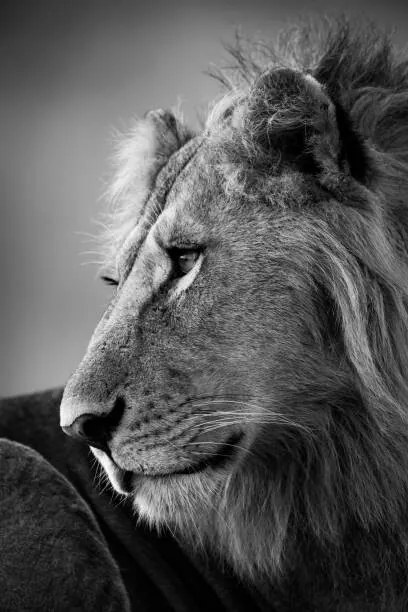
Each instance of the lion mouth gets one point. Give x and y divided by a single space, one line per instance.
214 461
217 460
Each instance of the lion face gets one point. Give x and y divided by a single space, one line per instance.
191 348
211 336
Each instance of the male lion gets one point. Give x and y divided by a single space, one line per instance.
247 385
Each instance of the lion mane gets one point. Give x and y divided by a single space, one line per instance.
318 519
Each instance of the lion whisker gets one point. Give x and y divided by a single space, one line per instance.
215 443
274 420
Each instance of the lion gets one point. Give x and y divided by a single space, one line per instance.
247 386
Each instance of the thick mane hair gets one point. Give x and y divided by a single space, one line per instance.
327 508
338 496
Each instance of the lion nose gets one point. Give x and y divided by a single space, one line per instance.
90 429
96 430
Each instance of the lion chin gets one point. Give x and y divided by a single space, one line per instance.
172 499
247 386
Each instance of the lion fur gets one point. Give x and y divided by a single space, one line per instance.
352 474
317 518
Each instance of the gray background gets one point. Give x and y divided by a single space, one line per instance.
70 72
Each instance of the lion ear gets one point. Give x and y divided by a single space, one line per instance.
292 117
142 152
168 133
140 155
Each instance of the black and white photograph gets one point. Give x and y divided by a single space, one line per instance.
204 306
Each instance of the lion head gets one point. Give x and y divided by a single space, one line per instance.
247 384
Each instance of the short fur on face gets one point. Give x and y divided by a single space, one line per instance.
279 367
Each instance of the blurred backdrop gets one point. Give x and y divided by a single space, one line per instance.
71 71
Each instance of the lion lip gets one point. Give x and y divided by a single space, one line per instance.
126 479
217 460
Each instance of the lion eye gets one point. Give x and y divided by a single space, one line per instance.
110 281
183 260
